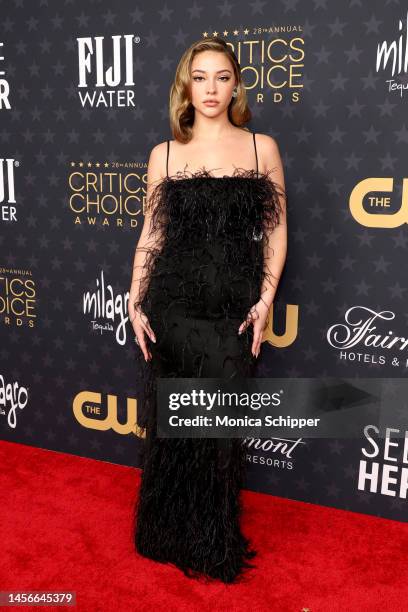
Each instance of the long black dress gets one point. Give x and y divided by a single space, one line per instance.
203 280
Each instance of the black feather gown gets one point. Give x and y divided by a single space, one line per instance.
202 280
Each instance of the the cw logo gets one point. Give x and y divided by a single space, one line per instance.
375 219
94 401
291 327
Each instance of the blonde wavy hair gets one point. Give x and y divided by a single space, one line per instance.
181 109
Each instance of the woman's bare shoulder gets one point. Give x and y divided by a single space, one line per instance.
265 141
157 162
159 149
268 150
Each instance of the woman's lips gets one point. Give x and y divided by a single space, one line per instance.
211 103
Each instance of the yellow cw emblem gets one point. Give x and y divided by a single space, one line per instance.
87 406
291 327
378 202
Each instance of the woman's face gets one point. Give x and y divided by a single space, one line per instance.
212 78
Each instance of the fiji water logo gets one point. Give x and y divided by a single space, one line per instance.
108 66
7 189
4 84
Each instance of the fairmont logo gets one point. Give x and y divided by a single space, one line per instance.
360 330
112 78
272 452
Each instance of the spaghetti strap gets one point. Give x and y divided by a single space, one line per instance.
167 161
256 154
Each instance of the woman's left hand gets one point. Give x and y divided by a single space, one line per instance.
257 316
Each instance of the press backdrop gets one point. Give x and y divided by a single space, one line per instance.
83 99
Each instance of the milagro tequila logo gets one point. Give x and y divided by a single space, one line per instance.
107 65
393 57
359 333
7 189
4 84
109 311
12 397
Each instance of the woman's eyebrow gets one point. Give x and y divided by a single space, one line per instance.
223 70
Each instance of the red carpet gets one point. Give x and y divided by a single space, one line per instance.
66 524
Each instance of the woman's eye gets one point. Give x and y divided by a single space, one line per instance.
198 78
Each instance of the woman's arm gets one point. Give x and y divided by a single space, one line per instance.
275 240
149 241
274 245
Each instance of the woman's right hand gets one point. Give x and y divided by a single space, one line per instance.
141 325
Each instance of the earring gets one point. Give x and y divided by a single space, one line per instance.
234 92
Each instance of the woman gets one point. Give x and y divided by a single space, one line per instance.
206 267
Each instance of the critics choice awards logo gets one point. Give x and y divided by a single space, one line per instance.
271 57
18 297
107 194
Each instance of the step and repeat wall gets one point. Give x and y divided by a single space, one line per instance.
83 99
